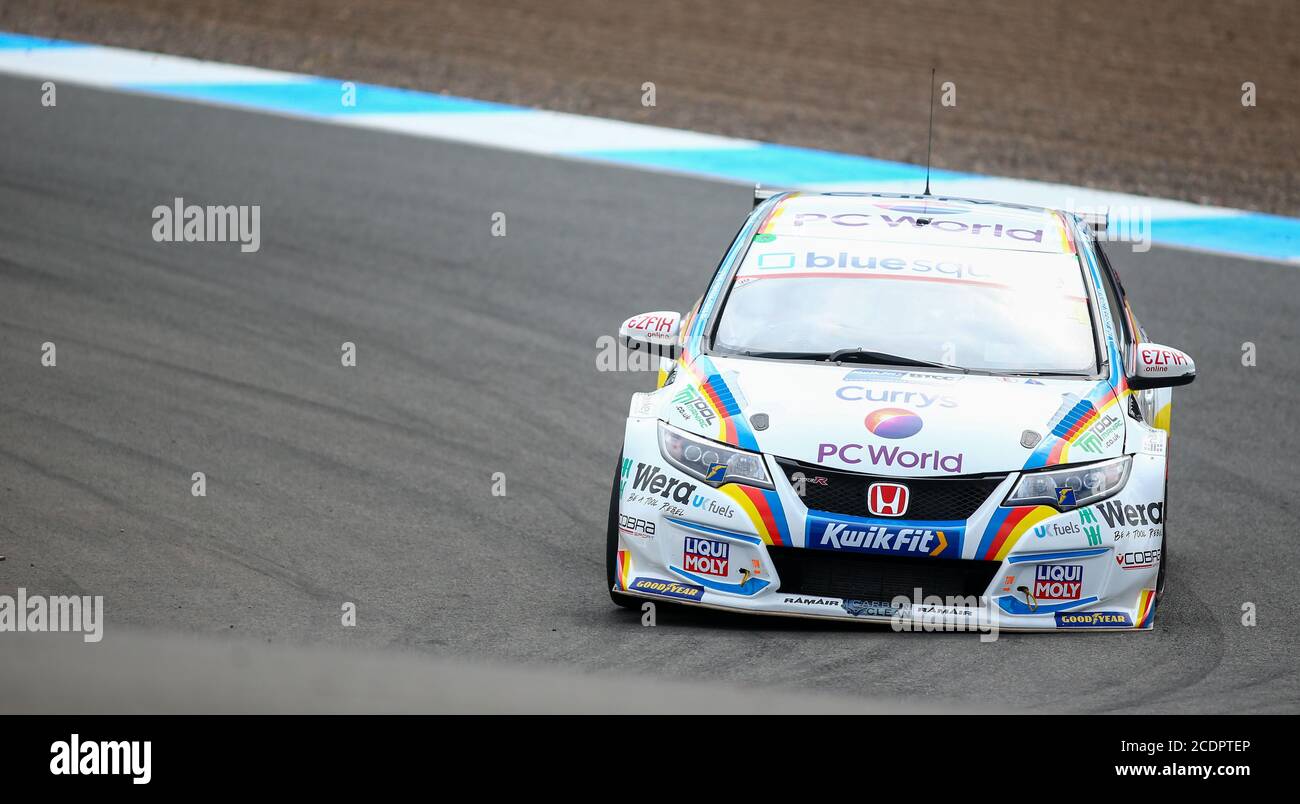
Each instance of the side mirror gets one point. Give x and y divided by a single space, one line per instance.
654 332
1161 367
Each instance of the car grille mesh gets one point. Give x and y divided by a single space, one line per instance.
930 498
857 576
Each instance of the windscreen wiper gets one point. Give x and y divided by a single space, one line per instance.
855 355
859 355
786 355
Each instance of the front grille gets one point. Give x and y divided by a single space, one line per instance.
858 576
930 498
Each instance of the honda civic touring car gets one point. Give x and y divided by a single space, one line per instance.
887 404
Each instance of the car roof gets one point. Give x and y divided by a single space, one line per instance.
922 219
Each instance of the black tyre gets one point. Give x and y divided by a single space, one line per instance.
611 544
1164 549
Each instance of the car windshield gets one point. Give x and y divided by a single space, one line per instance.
979 309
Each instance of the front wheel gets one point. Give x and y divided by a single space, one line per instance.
611 544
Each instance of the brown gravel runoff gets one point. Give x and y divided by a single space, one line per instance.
1144 97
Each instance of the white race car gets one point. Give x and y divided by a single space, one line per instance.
887 407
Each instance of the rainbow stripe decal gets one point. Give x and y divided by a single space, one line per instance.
1075 420
1007 526
762 506
624 566
764 510
1146 609
1055 449
715 391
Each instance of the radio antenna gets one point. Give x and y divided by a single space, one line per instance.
929 140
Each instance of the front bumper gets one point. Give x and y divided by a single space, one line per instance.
750 550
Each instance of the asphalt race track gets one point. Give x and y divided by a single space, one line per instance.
477 354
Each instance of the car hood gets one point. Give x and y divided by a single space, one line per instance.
896 421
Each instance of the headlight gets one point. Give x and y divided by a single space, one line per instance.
710 461
1073 487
